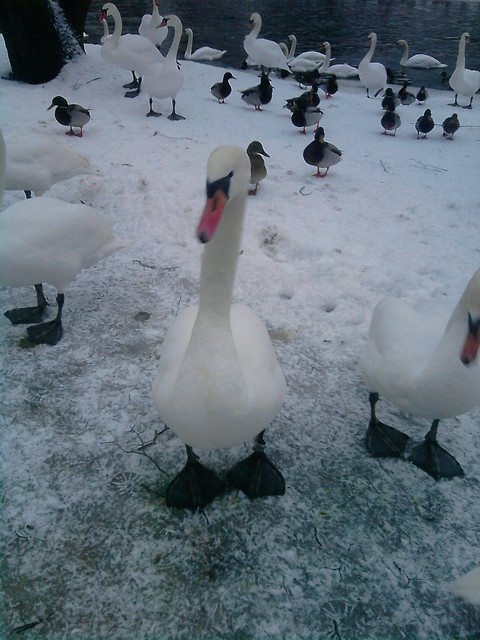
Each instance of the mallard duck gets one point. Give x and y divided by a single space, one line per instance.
308 117
450 125
424 124
390 121
321 154
258 171
260 94
406 97
422 95
390 101
222 90
70 115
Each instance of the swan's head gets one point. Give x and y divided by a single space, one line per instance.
472 342
172 21
254 20
466 37
372 38
228 176
401 43
108 9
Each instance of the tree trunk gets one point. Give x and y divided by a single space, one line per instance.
41 35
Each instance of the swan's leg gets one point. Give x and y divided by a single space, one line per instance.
153 113
195 486
174 115
455 103
433 458
253 192
133 84
469 106
29 315
48 332
381 439
134 93
257 476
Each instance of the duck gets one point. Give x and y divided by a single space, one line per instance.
329 84
465 82
307 99
422 95
321 154
130 51
390 121
258 170
424 124
468 586
219 382
35 162
165 79
426 364
221 90
397 77
266 53
70 115
48 240
308 117
150 26
419 60
390 101
373 75
260 94
202 53
406 97
451 125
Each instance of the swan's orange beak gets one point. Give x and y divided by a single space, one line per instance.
471 346
211 216
103 16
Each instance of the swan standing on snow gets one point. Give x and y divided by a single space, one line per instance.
48 240
130 51
419 60
165 79
265 53
468 586
427 366
219 382
202 53
464 81
35 162
150 26
373 75
70 115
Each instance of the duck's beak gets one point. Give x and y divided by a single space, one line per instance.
50 107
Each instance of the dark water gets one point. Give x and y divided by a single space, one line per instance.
433 27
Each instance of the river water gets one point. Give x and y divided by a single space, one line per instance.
433 27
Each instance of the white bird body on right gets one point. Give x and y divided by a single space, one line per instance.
373 75
465 82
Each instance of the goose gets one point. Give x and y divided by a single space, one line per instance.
424 124
373 75
321 154
202 53
258 170
419 60
265 53
422 95
150 26
307 117
70 115
427 365
221 90
406 97
390 101
464 81
35 162
130 51
468 586
165 79
450 125
390 121
48 240
219 382
260 94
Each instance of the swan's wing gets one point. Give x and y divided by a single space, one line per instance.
468 586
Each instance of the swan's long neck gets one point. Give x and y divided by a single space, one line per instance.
461 54
293 46
370 52
188 50
326 62
172 52
405 53
117 18
256 27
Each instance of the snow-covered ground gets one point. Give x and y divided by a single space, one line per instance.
358 547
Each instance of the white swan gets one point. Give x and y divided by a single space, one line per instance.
419 60
219 382
35 162
468 586
373 75
130 51
202 53
340 70
427 365
150 26
265 53
106 33
48 240
165 79
465 82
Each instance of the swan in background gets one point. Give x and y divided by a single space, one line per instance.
373 75
150 26
130 51
265 53
202 53
464 81
321 154
419 60
48 240
219 382
340 70
468 586
35 162
165 79
427 365
105 30
70 115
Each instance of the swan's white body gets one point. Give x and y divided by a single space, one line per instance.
340 70
202 53
468 586
413 357
219 382
130 51
419 60
35 162
150 26
303 65
265 53
465 82
373 75
165 79
106 33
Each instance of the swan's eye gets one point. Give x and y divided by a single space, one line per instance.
223 184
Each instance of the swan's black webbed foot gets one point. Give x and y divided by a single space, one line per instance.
381 439
29 315
152 113
133 84
434 459
174 115
46 332
133 94
195 486
257 476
